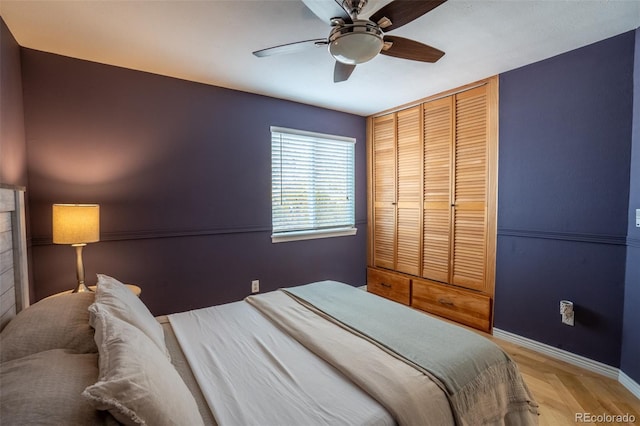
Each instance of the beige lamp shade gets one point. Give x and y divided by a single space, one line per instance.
76 223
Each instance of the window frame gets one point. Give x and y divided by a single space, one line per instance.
308 234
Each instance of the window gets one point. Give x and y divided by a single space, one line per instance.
312 185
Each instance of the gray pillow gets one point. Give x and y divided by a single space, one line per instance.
58 322
45 388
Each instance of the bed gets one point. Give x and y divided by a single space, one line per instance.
321 353
267 360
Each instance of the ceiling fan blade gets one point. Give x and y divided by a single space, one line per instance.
410 49
327 9
401 12
291 47
341 72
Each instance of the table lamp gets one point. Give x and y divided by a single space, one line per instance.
76 224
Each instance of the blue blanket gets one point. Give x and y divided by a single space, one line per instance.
468 366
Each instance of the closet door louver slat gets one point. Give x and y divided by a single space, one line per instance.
409 191
470 190
384 211
438 128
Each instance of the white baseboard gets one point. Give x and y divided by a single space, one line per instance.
571 358
630 384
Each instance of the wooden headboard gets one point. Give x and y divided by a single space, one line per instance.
14 276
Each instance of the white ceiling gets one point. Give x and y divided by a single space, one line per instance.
211 42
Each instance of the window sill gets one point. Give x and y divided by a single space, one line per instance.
312 235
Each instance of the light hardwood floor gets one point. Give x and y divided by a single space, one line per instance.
562 390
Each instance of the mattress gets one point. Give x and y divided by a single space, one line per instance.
257 374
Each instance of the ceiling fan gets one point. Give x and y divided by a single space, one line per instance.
353 41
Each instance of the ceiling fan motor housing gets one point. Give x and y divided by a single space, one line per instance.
355 43
353 7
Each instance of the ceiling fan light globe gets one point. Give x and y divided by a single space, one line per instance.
355 44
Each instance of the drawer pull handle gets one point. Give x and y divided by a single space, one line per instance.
385 285
445 302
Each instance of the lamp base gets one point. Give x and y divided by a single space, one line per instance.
81 288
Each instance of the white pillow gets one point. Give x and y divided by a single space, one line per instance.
137 384
120 302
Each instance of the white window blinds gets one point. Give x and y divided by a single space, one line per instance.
312 185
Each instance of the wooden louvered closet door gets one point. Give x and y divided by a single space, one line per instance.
384 191
409 191
470 189
438 143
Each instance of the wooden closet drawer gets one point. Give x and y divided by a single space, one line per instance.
466 307
387 284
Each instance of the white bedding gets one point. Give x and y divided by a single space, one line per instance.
251 373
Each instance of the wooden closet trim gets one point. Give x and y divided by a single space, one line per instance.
438 96
492 185
452 181
370 181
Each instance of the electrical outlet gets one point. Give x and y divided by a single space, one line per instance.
255 286
566 310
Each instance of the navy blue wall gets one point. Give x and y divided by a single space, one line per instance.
630 362
182 172
565 138
13 148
